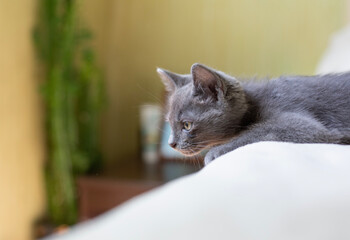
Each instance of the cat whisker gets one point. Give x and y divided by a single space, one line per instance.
149 93
196 160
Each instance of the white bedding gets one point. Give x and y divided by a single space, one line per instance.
266 190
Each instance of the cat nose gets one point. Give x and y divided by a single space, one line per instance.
171 141
172 144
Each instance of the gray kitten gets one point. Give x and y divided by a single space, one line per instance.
210 109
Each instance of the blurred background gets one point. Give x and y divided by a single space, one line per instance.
109 76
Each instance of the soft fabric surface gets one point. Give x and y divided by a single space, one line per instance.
337 55
266 190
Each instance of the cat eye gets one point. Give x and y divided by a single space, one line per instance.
187 126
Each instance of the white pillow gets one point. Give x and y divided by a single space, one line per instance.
337 55
266 190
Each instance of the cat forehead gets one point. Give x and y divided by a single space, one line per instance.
180 99
183 104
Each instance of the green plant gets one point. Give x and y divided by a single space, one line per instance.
73 95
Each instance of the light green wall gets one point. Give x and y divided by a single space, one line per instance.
242 37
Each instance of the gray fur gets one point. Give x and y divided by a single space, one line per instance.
228 114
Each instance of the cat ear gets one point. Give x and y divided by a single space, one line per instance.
207 82
171 80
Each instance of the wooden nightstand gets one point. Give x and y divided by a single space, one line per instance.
98 194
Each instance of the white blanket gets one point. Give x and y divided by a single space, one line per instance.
266 190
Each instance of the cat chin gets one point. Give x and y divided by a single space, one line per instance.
189 153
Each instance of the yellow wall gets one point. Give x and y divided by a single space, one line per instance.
21 141
242 37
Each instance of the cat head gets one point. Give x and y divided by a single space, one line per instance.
205 108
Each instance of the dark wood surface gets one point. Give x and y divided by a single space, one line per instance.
98 195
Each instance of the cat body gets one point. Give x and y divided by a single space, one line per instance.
210 109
